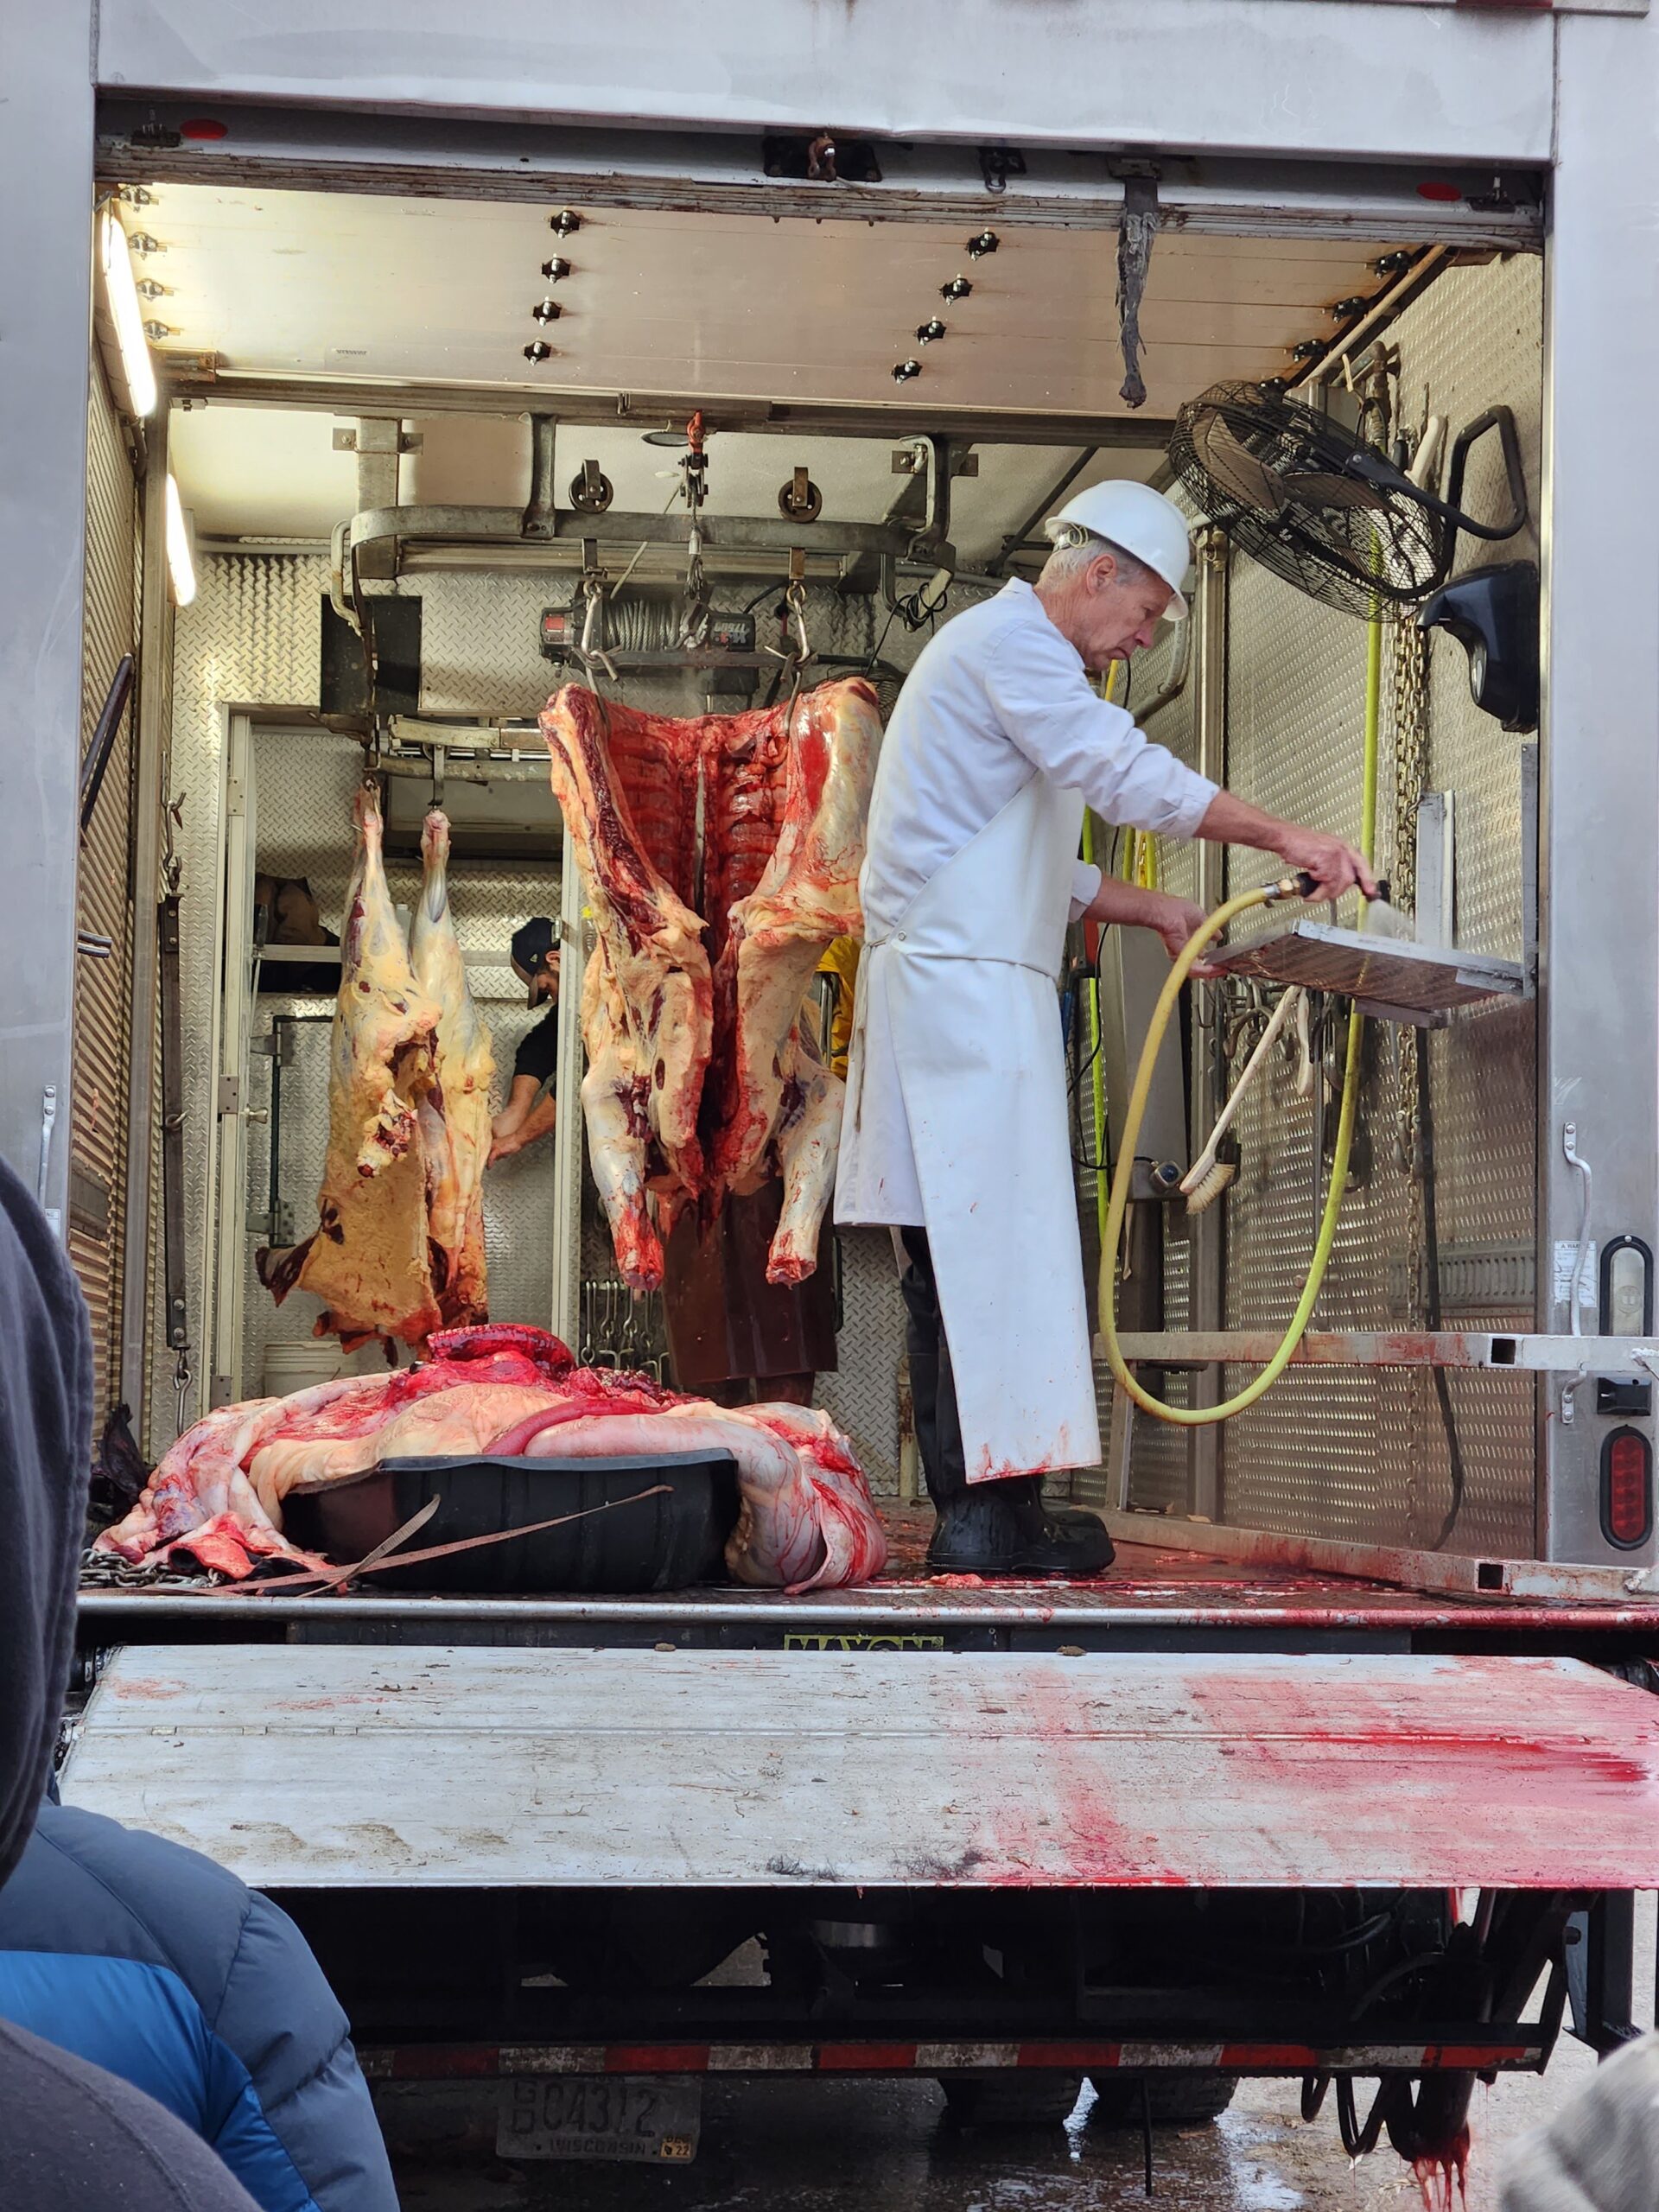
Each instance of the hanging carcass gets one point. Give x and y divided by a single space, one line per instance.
398 1250
703 1077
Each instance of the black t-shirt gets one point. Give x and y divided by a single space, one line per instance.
539 1055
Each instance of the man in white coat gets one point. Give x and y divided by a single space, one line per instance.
955 1131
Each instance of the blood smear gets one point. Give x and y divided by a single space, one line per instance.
1443 2180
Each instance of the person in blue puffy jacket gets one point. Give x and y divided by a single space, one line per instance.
160 1967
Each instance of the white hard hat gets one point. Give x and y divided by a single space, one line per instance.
1142 521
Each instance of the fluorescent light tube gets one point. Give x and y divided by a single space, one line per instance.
180 562
121 297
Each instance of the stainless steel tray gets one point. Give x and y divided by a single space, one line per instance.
1394 977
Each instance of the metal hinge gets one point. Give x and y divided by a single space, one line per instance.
229 1100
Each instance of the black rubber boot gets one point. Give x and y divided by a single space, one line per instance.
1082 1533
1003 1528
996 1528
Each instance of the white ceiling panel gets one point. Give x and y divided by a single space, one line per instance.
443 291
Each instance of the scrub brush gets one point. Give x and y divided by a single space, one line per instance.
1212 1183
1208 1175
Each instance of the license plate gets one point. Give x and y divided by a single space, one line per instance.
599 2116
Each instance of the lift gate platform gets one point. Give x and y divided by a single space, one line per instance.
335 1766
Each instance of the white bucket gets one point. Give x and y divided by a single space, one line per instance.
291 1366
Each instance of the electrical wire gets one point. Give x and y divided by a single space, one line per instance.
875 650
779 584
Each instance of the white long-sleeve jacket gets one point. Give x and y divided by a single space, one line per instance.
997 697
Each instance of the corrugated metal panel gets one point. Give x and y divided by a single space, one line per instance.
103 986
487 1767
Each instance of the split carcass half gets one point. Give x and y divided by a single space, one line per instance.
646 1011
703 1078
807 1521
369 1258
460 1142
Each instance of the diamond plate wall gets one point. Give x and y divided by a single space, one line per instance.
1363 1455
1159 1459
251 636
304 781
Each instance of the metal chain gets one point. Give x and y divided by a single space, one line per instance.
1410 780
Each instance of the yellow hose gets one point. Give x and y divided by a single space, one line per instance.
1212 928
1096 1065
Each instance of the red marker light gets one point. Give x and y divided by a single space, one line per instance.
1438 187
203 126
1627 1489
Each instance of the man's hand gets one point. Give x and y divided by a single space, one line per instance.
504 1148
1334 865
1129 904
1175 921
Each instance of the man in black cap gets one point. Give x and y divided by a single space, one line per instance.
528 1113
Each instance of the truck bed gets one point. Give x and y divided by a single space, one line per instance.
1166 1589
450 1765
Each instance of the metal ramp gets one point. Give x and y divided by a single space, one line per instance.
343 1766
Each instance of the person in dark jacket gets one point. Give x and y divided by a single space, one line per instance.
154 1962
73 2138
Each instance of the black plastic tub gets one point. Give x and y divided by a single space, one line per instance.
666 1542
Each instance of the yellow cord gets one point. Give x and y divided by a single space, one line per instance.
1204 1416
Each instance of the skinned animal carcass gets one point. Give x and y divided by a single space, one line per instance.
806 1521
398 1249
704 1079
460 1146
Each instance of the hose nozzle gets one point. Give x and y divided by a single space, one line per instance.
1297 885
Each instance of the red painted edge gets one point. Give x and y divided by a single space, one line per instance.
866 2057
1301 2056
439 2063
657 2058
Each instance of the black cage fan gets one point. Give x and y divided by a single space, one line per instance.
1324 509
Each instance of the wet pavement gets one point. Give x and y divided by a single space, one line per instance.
880 2146
845 2147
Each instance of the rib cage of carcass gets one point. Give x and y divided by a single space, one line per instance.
720 856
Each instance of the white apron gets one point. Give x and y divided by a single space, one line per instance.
956 1119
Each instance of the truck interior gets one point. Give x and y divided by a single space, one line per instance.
440 440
